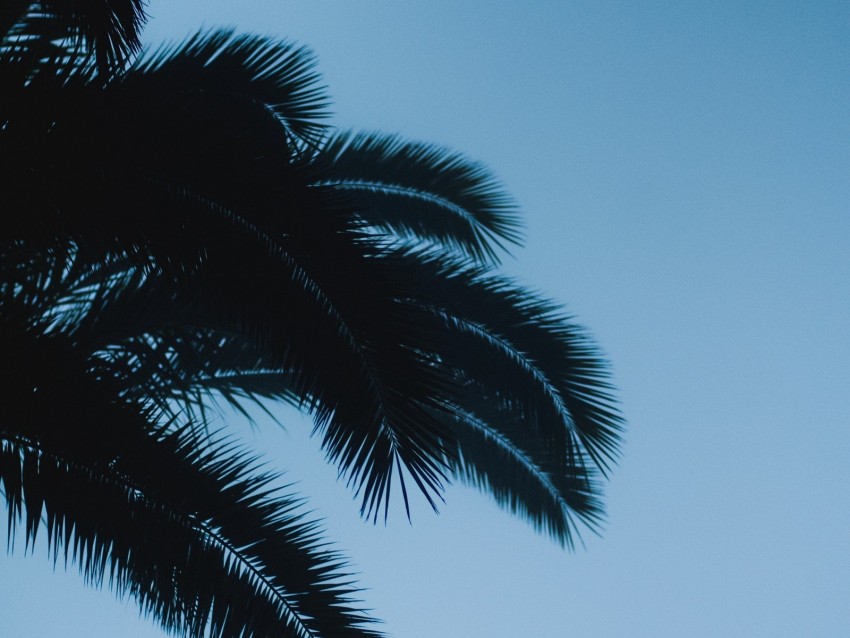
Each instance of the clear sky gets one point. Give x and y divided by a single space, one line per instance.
684 174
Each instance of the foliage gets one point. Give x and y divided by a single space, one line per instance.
182 227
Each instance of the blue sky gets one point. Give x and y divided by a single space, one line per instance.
684 174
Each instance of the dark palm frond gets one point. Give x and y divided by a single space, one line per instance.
69 171
441 335
523 349
421 193
220 65
109 28
186 526
108 31
531 393
355 371
171 341
486 361
193 572
180 231
499 453
422 329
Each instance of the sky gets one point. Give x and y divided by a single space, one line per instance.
684 177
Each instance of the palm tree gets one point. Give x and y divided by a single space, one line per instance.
182 228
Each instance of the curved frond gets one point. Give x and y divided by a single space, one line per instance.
187 527
498 454
221 65
361 380
523 349
532 411
421 192
446 341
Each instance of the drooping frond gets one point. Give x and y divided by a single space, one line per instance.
531 408
365 386
186 526
498 454
524 349
449 347
421 192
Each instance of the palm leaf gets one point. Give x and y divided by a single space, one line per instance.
221 65
187 527
421 193
109 29
523 349
500 455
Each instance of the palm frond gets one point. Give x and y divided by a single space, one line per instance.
421 193
107 29
110 28
530 395
499 453
38 49
442 335
221 65
187 527
524 349
165 341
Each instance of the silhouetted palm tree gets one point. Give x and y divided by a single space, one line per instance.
181 227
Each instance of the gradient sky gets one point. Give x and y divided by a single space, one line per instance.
684 174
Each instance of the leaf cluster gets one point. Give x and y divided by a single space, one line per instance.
182 228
